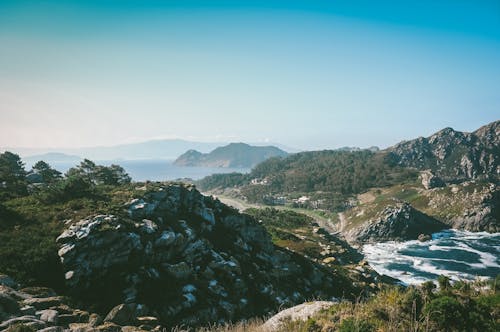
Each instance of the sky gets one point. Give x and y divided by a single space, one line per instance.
306 74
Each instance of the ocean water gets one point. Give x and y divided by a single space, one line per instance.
156 170
456 254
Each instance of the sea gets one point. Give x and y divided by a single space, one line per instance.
155 170
454 253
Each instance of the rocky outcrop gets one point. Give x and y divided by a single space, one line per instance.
44 311
302 312
472 205
431 181
397 221
233 155
188 259
453 155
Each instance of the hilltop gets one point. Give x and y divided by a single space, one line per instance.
453 155
238 155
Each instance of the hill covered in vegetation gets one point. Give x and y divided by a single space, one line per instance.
236 155
331 176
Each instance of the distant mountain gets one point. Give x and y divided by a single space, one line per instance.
157 149
453 155
52 158
153 149
232 155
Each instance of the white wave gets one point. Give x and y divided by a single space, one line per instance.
474 265
454 275
486 258
381 255
436 247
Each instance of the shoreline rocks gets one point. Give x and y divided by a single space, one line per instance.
397 222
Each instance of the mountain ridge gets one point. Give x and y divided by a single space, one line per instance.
453 155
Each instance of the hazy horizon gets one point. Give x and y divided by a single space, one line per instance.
28 151
306 74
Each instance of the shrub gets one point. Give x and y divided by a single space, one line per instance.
353 325
446 312
444 283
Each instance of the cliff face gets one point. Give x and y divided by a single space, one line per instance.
233 155
188 258
471 205
397 221
407 210
454 155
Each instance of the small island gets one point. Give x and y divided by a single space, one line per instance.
236 155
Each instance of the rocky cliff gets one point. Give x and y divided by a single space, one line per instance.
397 221
471 205
188 259
233 155
454 155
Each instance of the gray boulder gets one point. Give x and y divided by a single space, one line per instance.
49 315
122 314
300 312
431 181
43 303
95 320
26 320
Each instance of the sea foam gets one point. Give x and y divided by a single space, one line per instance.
456 254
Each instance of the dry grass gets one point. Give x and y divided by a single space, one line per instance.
253 325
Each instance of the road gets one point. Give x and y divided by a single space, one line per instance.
326 223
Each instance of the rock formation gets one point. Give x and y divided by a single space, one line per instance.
186 259
471 205
431 181
453 155
302 312
398 221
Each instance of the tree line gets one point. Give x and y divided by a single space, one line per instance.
51 185
331 171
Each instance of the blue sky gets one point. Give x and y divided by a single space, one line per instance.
308 74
